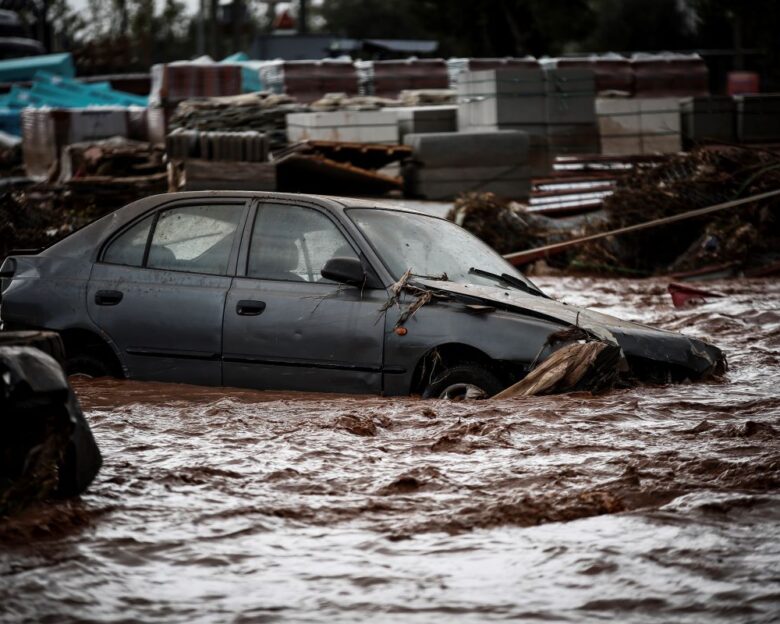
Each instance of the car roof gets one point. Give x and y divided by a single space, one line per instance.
73 245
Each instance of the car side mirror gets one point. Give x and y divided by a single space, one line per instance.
348 271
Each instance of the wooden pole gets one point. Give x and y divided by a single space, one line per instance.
524 257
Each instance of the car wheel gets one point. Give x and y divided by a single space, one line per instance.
463 381
86 365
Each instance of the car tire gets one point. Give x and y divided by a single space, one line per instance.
456 381
86 365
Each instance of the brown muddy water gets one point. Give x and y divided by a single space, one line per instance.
221 505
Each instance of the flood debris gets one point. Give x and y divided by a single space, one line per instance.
504 225
684 295
742 238
46 446
578 366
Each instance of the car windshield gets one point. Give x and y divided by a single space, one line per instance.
431 247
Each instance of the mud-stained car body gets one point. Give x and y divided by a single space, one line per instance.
300 292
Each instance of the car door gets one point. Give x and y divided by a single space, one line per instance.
158 290
286 327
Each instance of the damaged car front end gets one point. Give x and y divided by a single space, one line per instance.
499 312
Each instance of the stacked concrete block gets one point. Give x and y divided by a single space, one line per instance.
502 98
343 126
445 165
758 118
708 118
425 119
249 146
571 113
619 126
612 72
659 123
639 126
555 107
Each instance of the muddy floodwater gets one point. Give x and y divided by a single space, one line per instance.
220 505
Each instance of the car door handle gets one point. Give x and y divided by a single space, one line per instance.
108 297
247 307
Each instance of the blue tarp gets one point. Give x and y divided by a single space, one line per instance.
20 69
92 94
57 91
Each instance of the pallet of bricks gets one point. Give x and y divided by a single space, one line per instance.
308 81
644 117
173 83
388 78
555 107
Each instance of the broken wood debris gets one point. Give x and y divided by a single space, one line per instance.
578 366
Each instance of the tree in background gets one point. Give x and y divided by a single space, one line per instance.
466 27
641 25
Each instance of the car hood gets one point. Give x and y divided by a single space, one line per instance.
638 342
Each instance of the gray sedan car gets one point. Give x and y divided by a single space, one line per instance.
297 292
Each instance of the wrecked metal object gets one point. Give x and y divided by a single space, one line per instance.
241 288
684 295
47 448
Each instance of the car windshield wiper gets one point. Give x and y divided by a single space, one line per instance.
509 280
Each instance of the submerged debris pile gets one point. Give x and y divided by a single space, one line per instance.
502 224
740 237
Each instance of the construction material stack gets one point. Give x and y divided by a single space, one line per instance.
630 126
219 160
173 83
758 118
708 119
308 81
554 107
444 165
346 126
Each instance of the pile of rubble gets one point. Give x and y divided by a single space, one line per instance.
738 238
95 178
508 226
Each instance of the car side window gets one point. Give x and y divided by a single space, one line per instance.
196 239
293 243
128 248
